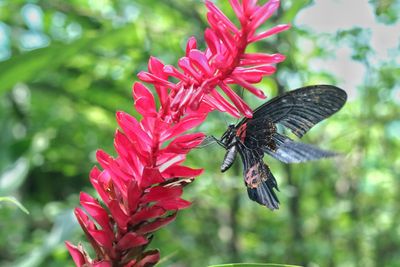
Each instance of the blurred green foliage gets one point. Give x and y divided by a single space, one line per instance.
67 67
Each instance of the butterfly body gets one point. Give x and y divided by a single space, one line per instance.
297 110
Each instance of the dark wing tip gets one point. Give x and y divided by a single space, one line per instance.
265 196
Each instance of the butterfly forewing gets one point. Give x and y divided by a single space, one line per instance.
301 109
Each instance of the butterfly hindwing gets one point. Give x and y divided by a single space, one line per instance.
258 178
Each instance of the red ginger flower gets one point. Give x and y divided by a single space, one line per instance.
141 188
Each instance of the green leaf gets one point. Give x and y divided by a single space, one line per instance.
16 202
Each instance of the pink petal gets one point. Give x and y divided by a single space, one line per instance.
237 8
199 59
134 132
223 33
77 255
102 238
157 224
264 13
184 64
185 124
144 100
181 171
153 79
272 31
212 41
249 6
221 103
150 259
174 72
147 213
93 207
150 177
184 143
220 17
161 193
131 240
175 204
191 44
181 98
97 183
258 58
165 160
237 100
254 76
118 214
156 67
134 195
103 158
87 226
128 154
257 92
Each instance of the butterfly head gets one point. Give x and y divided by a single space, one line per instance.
229 134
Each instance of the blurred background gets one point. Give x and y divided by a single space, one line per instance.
66 67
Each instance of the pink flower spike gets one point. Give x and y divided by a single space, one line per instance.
221 17
191 44
264 13
272 31
237 100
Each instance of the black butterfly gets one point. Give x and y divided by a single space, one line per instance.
298 110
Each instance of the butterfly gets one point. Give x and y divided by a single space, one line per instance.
298 110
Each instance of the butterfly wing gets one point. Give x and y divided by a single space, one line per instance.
258 178
301 109
298 110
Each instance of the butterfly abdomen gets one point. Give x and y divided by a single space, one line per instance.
229 158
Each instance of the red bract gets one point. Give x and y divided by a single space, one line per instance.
141 188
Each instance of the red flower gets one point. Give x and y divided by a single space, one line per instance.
141 188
